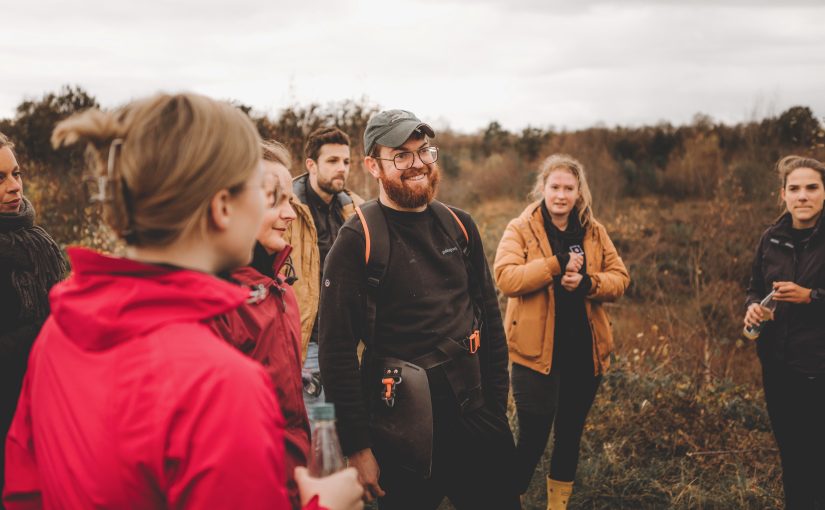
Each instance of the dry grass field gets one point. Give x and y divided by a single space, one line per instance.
679 421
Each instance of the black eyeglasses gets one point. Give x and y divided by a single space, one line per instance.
405 160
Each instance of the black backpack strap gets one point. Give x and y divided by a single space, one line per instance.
376 255
452 225
454 228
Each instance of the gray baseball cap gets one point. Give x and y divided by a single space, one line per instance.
391 128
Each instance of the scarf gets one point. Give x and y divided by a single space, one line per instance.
561 240
35 260
262 261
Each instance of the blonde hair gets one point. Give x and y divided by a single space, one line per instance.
276 152
163 158
564 162
5 142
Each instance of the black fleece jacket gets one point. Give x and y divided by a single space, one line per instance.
797 335
424 297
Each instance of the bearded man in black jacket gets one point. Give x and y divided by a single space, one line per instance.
423 416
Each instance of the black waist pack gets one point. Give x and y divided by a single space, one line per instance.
401 414
401 411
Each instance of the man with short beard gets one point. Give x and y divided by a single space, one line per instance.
322 204
423 416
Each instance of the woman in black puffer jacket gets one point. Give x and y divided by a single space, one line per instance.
30 263
790 259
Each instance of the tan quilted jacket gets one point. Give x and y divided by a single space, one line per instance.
524 268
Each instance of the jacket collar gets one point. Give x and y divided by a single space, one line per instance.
281 258
299 189
531 217
534 219
266 264
783 226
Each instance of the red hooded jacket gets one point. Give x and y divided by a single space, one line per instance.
267 328
131 401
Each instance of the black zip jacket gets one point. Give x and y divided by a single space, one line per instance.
425 297
796 337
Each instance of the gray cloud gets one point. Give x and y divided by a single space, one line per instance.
520 62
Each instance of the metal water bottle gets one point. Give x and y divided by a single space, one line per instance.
325 457
752 332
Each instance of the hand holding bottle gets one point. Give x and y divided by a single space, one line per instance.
757 314
337 487
340 491
572 277
575 263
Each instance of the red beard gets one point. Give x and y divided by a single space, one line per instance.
407 197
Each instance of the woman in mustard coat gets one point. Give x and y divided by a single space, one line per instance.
557 265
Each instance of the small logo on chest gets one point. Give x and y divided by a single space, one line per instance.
447 251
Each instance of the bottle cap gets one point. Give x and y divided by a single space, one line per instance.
324 411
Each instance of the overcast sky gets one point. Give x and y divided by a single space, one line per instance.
460 63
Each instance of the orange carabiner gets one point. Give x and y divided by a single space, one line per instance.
475 341
388 383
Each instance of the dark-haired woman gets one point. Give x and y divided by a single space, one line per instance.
557 265
30 263
790 260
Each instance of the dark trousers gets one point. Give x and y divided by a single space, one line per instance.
559 401
472 460
11 382
796 406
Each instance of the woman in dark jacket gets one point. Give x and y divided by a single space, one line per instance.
30 263
790 260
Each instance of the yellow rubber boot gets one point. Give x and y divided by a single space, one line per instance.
558 494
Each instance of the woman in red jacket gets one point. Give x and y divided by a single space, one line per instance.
130 400
267 328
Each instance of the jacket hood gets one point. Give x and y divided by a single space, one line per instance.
784 225
109 300
528 212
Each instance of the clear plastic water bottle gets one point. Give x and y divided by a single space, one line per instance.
752 332
325 457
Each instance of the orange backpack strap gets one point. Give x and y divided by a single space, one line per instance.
366 233
458 221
